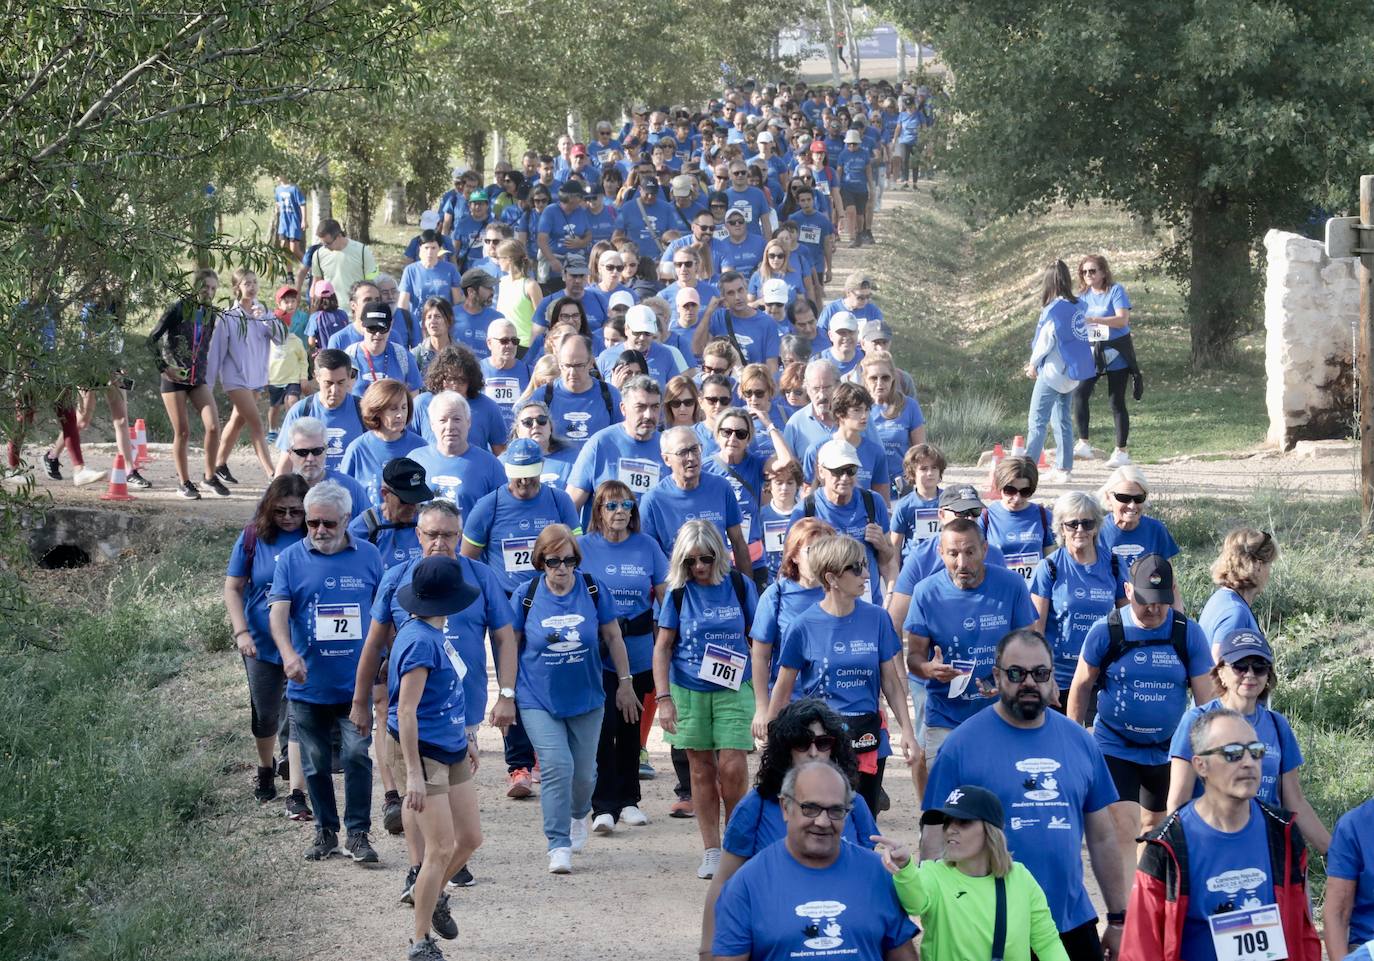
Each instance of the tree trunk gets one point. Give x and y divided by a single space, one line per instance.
832 42
500 146
394 209
475 146
321 203
359 212
901 57
1221 282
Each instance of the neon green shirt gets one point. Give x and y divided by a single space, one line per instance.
957 913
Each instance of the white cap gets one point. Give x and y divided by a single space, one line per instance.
622 298
429 220
843 320
641 320
837 453
682 185
853 136
765 137
776 291
459 171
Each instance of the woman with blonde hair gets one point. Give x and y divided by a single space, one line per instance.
517 292
1127 531
896 417
776 264
1241 571
238 356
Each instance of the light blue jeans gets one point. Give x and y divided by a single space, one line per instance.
566 748
1050 408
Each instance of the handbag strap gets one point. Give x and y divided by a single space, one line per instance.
999 924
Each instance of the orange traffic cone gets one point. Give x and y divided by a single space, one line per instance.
140 444
998 454
119 482
1043 463
1018 446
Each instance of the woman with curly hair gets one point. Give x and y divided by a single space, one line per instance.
1240 572
457 368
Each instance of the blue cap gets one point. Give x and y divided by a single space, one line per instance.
523 458
1242 644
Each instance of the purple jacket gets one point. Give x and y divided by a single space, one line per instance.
240 347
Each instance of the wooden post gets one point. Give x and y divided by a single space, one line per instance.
1365 243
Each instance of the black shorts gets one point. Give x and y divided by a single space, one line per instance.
1147 784
173 387
856 199
277 395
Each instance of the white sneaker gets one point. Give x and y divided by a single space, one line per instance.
577 833
1119 458
1083 450
710 861
1061 477
632 815
603 825
87 475
560 861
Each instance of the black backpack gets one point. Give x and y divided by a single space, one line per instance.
528 600
809 505
1118 647
736 581
605 397
375 525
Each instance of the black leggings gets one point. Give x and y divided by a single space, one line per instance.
870 785
1116 390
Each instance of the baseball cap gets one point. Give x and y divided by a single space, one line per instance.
688 295
843 320
818 146
570 188
478 197
286 290
574 266
649 183
735 212
962 498
837 453
765 137
1152 580
322 288
775 291
876 330
968 802
458 172
641 319
522 458
621 298
1244 643
437 588
429 220
377 316
682 185
476 277
578 150
594 189
406 479
853 136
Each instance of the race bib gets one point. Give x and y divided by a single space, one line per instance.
810 235
459 667
774 535
823 187
927 523
1098 333
1252 934
503 390
747 209
638 475
960 684
517 554
338 622
721 233
722 666
1023 564
603 156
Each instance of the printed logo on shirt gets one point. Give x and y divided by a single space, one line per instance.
1232 883
330 583
823 930
1128 552
564 627
969 623
1040 783
1019 823
862 647
578 421
1058 824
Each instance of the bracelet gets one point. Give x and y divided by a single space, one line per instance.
662 697
242 631
1117 918
626 677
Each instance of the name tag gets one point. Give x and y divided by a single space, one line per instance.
774 535
338 622
810 235
1098 333
722 666
517 554
503 390
927 523
1254 934
458 666
638 475
1024 563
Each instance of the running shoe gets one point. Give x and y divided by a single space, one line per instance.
216 485
189 491
391 813
518 784
632 815
442 919
137 480
646 770
463 879
1119 458
326 845
884 802
408 889
424 950
534 772
222 472
266 789
53 467
361 849
297 808
87 475
603 824
682 808
272 437
1083 450
284 767
710 863
560 861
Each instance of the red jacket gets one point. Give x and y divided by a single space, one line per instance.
1159 900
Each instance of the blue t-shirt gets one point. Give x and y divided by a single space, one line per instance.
917 519
364 459
324 324
840 659
894 433
603 222
412 251
1224 612
647 226
505 528
752 202
664 510
342 426
924 559
782 603
1048 778
331 603
1282 754
258 583
562 227
290 202
397 545
422 282
966 625
851 519
747 482
1224 868
814 229
1022 535
441 715
803 430
1107 304
486 430
710 615
663 363
1351 858
594 307
467 239
577 417
1149 536
843 366
1145 692
630 570
463 479
401 333
853 168
775 909
757 822
612 454
1079 597
470 330
393 363
466 631
773 526
502 387
560 654
873 469
864 313
743 257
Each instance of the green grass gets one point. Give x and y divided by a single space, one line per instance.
963 299
112 788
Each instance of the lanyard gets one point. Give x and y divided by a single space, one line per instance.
195 342
372 371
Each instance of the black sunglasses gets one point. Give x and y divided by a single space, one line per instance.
694 560
823 742
1129 498
315 522
1018 674
848 470
740 433
556 562
680 402
1011 490
307 451
1251 666
1080 523
540 419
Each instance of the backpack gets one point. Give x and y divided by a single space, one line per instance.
375 525
1044 526
250 544
730 330
1118 647
736 581
354 398
605 397
809 505
527 601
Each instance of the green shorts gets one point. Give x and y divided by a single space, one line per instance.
714 720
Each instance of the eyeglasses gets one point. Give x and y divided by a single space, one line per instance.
505 341
809 809
440 535
693 560
739 433
315 522
1016 675
491 240
686 452
307 451
858 570
1232 753
680 402
1090 270
625 505
1011 490
684 263
288 511
1129 498
574 366
755 394
1251 666
557 562
1080 524
539 420
715 400
848 470
823 742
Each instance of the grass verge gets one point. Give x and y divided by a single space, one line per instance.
112 801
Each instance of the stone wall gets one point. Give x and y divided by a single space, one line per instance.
1311 308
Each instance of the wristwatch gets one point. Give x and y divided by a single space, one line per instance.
507 692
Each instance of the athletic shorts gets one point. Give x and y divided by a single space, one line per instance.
166 386
934 740
277 395
1147 784
439 777
856 199
714 720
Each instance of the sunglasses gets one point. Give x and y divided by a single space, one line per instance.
288 511
1232 753
694 560
685 263
1090 270
858 570
557 562
682 402
739 433
315 522
1018 674
307 451
823 742
1080 524
1011 490
506 341
848 470
755 394
1129 498
715 401
625 505
491 240
612 266
540 420
1251 666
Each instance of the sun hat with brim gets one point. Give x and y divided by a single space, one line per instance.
437 588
